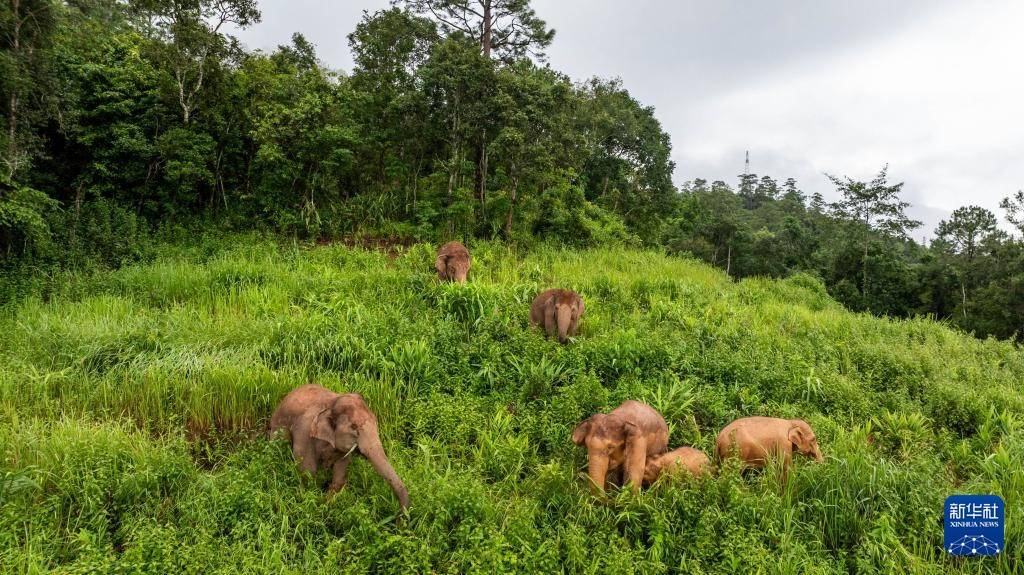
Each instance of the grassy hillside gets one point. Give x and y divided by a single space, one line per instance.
131 404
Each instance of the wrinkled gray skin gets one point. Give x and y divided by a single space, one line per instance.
558 312
452 263
328 429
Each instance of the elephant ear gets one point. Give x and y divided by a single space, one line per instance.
578 308
579 435
797 438
323 426
441 263
631 434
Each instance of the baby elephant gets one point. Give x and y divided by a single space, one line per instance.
757 438
326 428
681 460
558 312
624 438
452 262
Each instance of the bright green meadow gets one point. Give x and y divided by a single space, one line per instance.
133 405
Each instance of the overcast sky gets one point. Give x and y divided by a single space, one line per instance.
933 88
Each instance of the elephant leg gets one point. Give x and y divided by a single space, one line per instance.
550 321
787 460
305 455
636 461
340 475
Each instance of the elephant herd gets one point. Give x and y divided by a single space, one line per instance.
629 443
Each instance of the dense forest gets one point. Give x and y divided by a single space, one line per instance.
128 122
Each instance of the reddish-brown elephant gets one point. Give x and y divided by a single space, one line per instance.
327 428
757 439
558 312
623 438
452 263
678 461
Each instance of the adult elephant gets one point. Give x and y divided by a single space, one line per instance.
755 440
622 438
557 312
326 428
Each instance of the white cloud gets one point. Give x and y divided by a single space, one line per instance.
940 102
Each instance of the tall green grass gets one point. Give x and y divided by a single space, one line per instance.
132 405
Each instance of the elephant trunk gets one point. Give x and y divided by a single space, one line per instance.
564 314
597 468
370 447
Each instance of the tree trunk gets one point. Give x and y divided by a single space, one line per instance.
485 38
481 173
864 281
12 105
452 170
481 164
728 259
415 184
456 159
12 131
220 179
186 111
249 157
963 295
78 212
511 207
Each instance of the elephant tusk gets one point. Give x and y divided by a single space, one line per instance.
354 445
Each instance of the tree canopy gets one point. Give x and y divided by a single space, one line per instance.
127 120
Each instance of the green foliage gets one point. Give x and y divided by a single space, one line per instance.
153 106
24 226
133 404
970 274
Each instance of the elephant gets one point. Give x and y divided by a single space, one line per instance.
453 262
326 428
682 459
758 438
626 437
558 312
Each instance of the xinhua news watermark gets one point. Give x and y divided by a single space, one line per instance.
974 525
